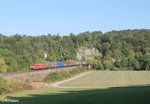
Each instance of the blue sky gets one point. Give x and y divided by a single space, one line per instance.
37 17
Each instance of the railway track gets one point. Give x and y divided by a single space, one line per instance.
21 74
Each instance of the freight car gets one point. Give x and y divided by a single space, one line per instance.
58 64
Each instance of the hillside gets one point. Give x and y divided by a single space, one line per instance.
126 49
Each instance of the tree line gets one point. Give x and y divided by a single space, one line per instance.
126 49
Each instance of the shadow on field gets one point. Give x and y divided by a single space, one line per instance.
113 95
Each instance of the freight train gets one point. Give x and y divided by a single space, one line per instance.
58 64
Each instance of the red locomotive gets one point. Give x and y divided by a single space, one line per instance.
38 66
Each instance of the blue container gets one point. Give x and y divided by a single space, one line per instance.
59 64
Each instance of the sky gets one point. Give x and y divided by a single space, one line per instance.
42 17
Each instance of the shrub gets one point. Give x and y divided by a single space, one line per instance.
52 77
3 86
65 74
60 75
3 67
8 86
116 69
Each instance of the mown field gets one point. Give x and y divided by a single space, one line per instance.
111 79
123 93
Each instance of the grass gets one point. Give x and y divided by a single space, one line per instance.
60 75
116 95
111 79
108 95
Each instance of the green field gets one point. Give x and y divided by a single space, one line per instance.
107 95
111 79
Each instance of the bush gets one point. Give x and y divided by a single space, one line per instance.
60 75
74 71
65 74
3 67
12 85
3 86
116 69
52 77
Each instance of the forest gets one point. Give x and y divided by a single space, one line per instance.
120 50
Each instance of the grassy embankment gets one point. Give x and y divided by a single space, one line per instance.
16 84
61 74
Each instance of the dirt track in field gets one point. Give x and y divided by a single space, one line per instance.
70 79
103 79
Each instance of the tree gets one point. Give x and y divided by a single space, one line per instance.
52 55
133 64
122 49
96 64
124 62
3 67
40 53
108 64
117 54
146 61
